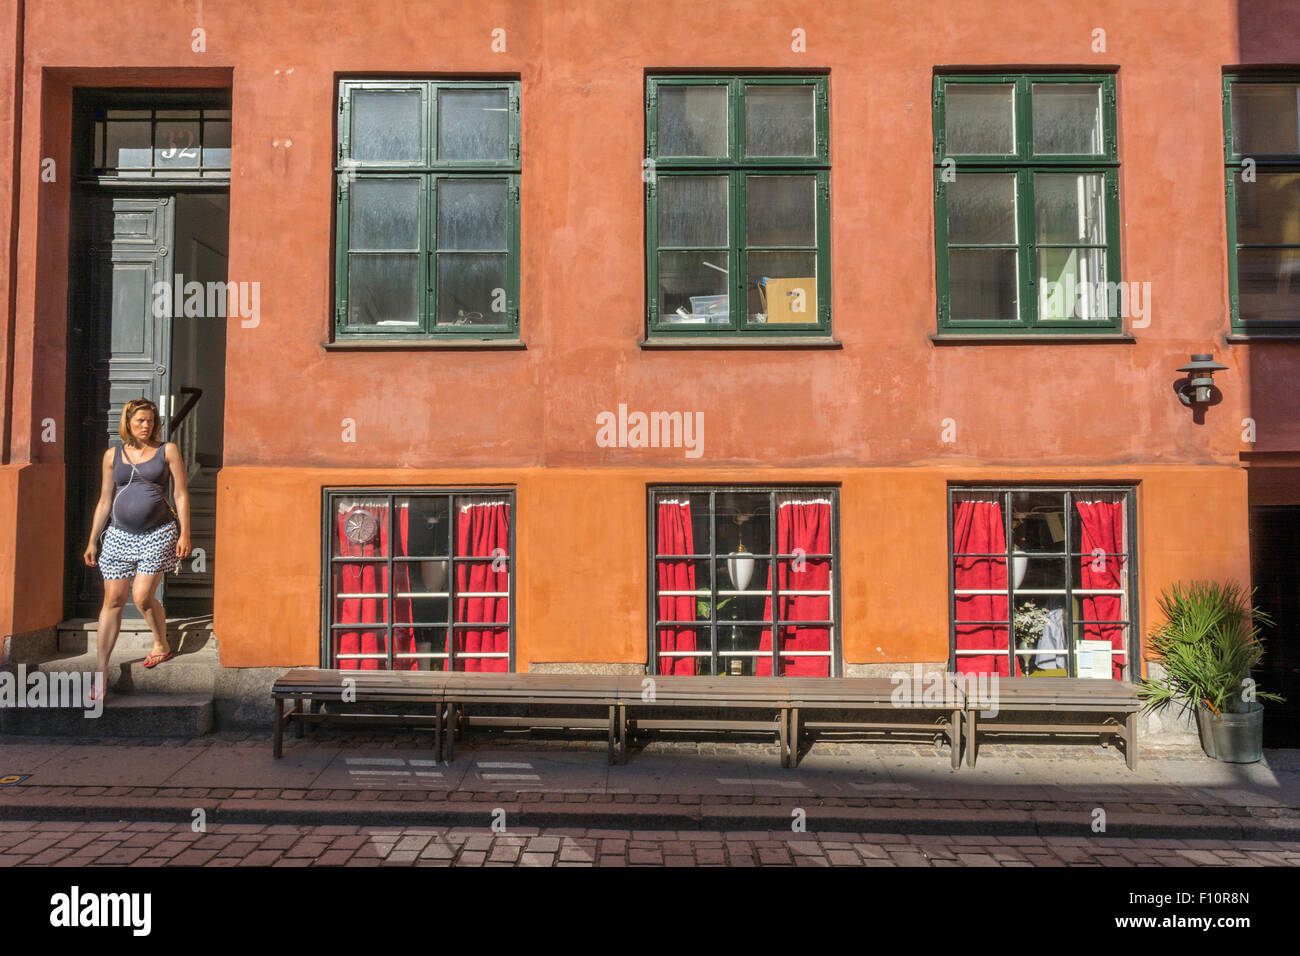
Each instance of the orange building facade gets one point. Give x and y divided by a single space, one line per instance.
885 409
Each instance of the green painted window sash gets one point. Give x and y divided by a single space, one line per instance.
430 171
736 166
1232 170
1024 164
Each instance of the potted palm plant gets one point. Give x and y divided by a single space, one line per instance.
1208 645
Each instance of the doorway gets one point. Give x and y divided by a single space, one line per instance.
150 218
1275 571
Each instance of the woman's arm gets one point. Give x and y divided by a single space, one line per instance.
102 508
182 495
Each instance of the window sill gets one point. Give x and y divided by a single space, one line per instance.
741 342
424 345
1249 338
1031 338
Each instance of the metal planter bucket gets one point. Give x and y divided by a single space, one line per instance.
1239 738
1205 724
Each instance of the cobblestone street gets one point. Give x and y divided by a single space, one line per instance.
24 843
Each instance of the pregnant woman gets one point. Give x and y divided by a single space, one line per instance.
144 538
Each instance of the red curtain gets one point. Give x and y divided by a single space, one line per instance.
674 535
1103 530
372 578
483 531
978 527
801 526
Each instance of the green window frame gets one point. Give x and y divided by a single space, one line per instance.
1056 286
772 149
1258 183
460 164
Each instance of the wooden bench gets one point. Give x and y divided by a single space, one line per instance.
559 697
312 686
1064 695
710 698
868 696
447 694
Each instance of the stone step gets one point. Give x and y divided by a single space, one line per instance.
187 633
191 671
121 715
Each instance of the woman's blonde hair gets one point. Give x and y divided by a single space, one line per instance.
128 412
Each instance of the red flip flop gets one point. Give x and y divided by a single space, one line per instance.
153 660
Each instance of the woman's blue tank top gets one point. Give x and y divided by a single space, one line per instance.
140 502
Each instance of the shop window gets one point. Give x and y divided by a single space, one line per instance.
1262 183
427 231
715 601
1027 204
419 580
1041 581
737 206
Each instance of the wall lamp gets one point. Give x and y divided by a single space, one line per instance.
1198 387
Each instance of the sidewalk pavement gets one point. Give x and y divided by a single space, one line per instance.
366 779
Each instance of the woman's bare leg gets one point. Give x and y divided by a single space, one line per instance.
110 623
142 591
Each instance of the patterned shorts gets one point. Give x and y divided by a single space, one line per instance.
124 554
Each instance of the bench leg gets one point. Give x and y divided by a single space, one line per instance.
783 735
437 732
972 736
298 708
622 733
613 710
277 745
1131 740
954 737
450 738
794 736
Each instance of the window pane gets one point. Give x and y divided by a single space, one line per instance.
693 288
781 210
1264 118
779 121
473 124
1067 118
176 144
386 126
979 119
1070 207
1072 285
473 214
384 214
383 289
1038 521
471 289
360 527
216 143
428 528
693 121
982 208
692 211
782 287
1268 210
127 145
982 283
1268 285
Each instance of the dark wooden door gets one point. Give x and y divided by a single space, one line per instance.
119 349
1275 570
